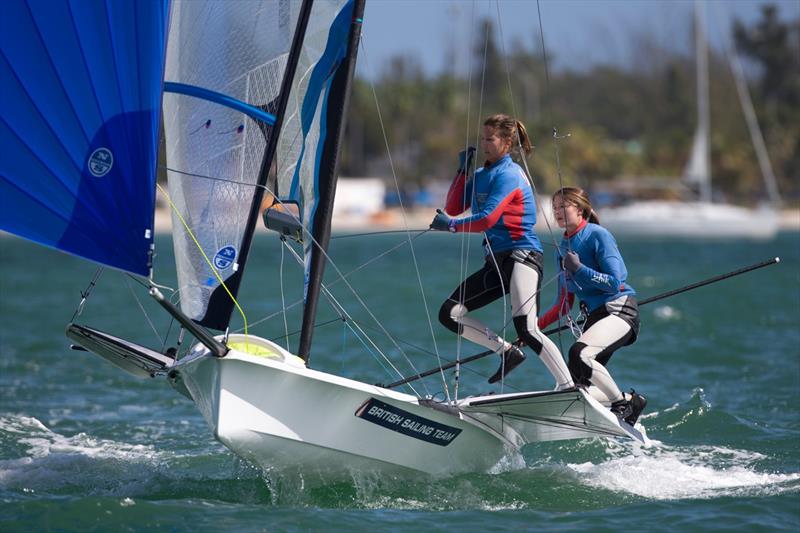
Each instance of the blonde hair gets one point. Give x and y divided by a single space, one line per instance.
511 129
578 197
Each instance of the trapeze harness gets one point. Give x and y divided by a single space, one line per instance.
606 299
503 206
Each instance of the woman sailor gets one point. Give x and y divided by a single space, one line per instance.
592 268
503 206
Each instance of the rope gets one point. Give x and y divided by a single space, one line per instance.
85 294
146 316
200 248
345 316
403 211
337 280
548 107
283 300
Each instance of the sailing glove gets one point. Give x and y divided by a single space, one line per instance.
572 262
465 159
442 222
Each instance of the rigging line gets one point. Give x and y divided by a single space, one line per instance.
337 280
523 157
341 275
146 316
403 211
213 178
150 283
464 258
370 233
452 362
283 299
295 332
208 261
172 292
344 315
464 251
166 336
503 330
85 293
366 346
549 110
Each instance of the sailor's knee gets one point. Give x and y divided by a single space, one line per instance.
449 314
577 364
529 335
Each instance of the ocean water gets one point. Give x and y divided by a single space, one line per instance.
84 446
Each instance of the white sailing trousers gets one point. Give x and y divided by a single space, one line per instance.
604 333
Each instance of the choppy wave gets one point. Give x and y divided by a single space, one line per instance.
52 462
669 473
43 461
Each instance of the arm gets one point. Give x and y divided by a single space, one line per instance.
560 307
612 271
459 197
503 193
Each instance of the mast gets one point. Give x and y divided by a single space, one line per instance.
703 165
321 223
221 305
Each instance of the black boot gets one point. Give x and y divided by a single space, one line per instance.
511 359
629 410
637 403
622 408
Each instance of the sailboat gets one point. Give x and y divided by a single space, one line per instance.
253 97
703 218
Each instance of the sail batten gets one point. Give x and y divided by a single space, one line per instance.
221 99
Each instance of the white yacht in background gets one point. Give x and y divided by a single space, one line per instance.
703 218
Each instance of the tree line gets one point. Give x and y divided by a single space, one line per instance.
612 121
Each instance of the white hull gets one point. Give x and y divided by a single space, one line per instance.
275 412
690 220
279 414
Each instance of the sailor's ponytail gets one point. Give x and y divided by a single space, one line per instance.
509 128
524 139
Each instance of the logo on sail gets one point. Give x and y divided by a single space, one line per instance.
225 257
100 162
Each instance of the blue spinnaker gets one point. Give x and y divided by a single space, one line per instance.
79 123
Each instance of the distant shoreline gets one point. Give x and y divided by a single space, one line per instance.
419 218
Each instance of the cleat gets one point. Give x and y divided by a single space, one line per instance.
637 403
511 359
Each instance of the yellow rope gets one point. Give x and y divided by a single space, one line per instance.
210 264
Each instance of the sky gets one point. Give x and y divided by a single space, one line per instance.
578 34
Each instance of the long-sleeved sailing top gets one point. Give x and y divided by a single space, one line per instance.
502 205
601 277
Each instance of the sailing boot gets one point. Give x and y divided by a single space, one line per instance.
622 408
512 357
637 403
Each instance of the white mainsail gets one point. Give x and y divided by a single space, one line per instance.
214 152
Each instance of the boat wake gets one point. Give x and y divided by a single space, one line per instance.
681 469
49 462
671 473
591 473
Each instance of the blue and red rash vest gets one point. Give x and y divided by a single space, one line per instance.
601 277
502 204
